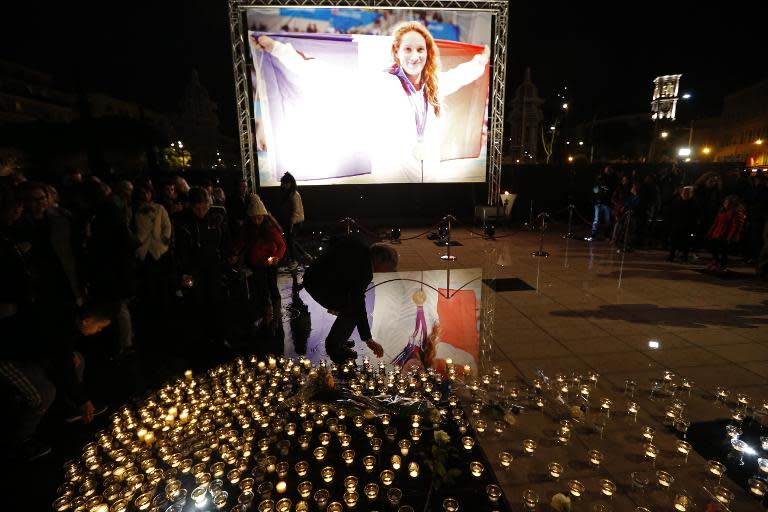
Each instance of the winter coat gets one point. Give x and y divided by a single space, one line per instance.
728 225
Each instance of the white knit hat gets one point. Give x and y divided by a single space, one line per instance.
256 207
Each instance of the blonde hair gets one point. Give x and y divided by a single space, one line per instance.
429 73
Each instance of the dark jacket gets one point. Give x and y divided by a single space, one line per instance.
338 279
201 244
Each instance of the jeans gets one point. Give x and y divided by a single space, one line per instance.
601 210
341 330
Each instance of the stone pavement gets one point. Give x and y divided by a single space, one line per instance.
593 309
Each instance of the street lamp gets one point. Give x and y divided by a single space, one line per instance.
684 152
706 150
664 135
759 141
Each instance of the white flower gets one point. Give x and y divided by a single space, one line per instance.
442 437
561 503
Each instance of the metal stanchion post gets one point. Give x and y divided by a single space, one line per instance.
529 224
624 248
541 253
448 256
348 221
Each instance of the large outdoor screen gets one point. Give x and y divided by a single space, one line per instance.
357 96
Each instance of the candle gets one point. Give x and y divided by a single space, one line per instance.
450 505
467 442
476 468
505 459
301 467
665 479
415 434
321 498
305 489
682 502
377 442
396 462
607 488
304 441
350 483
267 506
281 487
404 445
555 470
530 499
327 474
350 498
282 469
576 488
647 433
387 477
595 458
563 435
413 470
199 496
651 451
284 505
319 453
493 492
757 487
529 446
369 461
480 426
722 495
371 491
348 456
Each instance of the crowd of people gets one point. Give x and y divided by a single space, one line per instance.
721 214
80 256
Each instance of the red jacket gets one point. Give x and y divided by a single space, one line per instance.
261 242
728 225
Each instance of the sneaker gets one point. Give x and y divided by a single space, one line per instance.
342 355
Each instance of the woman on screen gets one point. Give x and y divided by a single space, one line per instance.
403 105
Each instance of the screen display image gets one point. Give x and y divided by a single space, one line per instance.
363 96
419 326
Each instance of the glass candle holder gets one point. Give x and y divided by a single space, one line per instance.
476 469
530 499
647 433
304 440
234 476
493 492
529 446
505 459
301 468
481 426
199 496
390 433
396 461
499 426
715 469
283 505
246 484
281 486
683 448
350 483
563 436
358 421
324 438
348 456
282 469
633 409
605 406
664 479
555 470
576 489
607 488
682 503
371 491
350 498
650 452
595 458
327 474
415 434
376 443
762 464
723 495
266 506
220 499
264 490
385 419
450 505
394 495
467 442
413 469
319 453
305 489
345 440
370 431
387 477
757 487
321 498
405 446
369 462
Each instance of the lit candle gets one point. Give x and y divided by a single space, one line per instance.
396 462
493 492
369 461
327 473
372 491
595 458
529 446
413 470
505 459
321 498
607 488
476 468
665 479
576 488
320 453
467 442
404 446
350 483
305 489
387 477
555 470
348 456
450 505
350 498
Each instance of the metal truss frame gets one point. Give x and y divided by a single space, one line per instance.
240 51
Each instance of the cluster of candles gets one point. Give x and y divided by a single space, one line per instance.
223 440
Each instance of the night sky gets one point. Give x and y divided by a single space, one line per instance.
607 57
